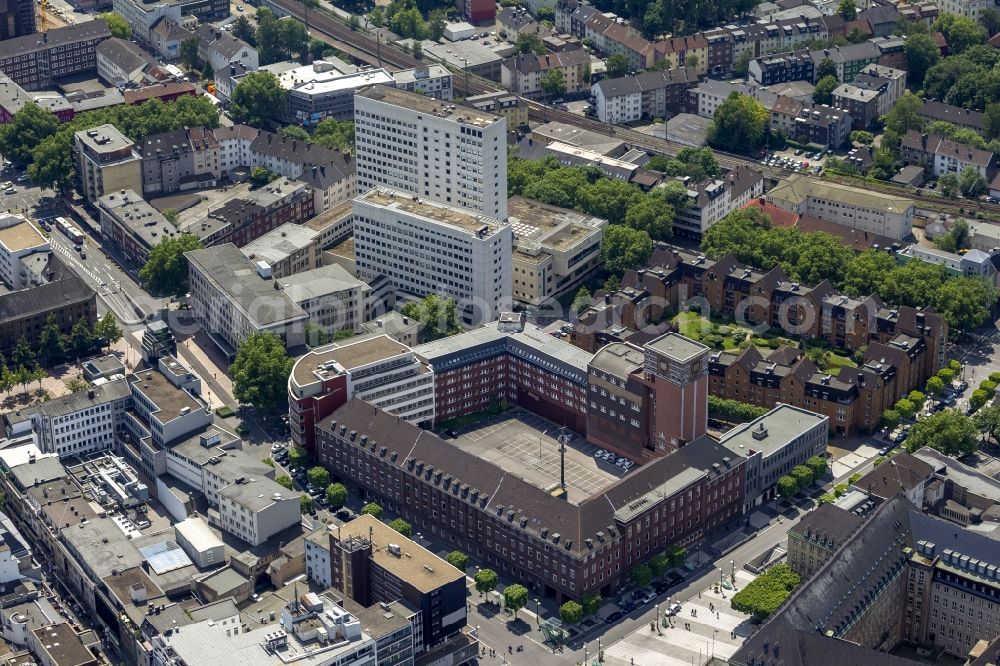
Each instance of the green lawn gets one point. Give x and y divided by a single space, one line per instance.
837 363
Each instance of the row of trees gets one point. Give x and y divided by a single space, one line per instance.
733 411
802 476
36 138
437 316
811 258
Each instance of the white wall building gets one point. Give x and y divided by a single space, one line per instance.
617 101
334 299
432 248
256 509
82 422
452 154
318 564
433 81
851 207
200 543
234 146
24 252
715 198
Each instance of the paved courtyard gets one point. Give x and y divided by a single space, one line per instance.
525 444
711 633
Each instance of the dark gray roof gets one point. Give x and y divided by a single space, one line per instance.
828 522
123 53
900 473
623 85
954 114
41 41
29 302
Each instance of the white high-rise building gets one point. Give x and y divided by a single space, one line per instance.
426 247
449 153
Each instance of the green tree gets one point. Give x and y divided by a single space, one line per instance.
298 456
950 185
678 555
486 581
960 32
865 273
848 10
640 575
653 215
331 133
81 339
457 559
591 603
515 597
30 126
787 486
318 477
767 592
617 66
260 176
862 137
438 316
243 29
418 50
571 612
189 53
257 97
260 372
305 504
971 182
409 24
742 64
295 132
285 481
916 397
402 527
978 399
166 271
625 248
437 22
935 386
991 122
803 476
948 431
890 419
905 115
336 495
107 329
965 302
554 82
823 92
826 67
582 300
989 18
854 478
50 342
118 26
739 124
922 53
372 509
658 565
987 420
906 408
817 464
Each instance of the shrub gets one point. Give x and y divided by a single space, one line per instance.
225 412
766 592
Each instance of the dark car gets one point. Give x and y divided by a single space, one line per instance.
662 586
638 594
627 606
614 617
674 577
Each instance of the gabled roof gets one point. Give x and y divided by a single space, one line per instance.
901 473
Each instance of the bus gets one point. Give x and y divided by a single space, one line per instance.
70 231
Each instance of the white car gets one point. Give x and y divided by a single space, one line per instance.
620 462
628 465
600 453
609 457
674 609
22 178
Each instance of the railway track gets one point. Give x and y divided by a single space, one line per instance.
360 40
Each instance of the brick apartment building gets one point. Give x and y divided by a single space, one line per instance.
34 61
554 546
24 313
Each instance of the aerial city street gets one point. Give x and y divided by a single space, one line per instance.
530 332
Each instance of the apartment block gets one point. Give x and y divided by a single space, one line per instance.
256 509
132 225
781 68
107 161
83 422
34 61
17 19
325 89
220 49
820 533
941 155
523 74
24 252
425 247
334 299
251 214
142 16
451 154
287 250
714 198
774 444
330 173
24 313
233 297
508 105
556 250
181 160
377 369
433 80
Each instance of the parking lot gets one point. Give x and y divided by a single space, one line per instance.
795 158
22 197
526 445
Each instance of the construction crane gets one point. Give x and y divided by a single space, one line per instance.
43 7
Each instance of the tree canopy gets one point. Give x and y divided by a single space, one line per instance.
625 248
739 124
166 271
257 97
260 372
767 592
438 316
922 53
117 24
485 580
948 431
515 597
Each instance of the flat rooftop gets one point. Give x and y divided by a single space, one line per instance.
348 355
325 281
315 79
21 236
676 347
62 645
256 494
133 212
170 399
430 210
422 104
526 445
552 226
280 243
416 565
780 426
104 139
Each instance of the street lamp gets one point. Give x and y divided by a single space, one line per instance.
538 617
732 564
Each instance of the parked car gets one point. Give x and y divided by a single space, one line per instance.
673 609
648 596
627 606
614 617
600 453
662 586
